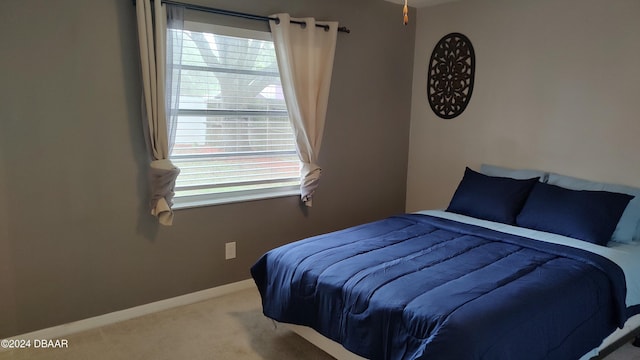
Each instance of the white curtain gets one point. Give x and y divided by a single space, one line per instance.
305 59
159 115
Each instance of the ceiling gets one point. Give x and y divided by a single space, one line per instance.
421 3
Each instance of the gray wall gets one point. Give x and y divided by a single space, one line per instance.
76 239
557 88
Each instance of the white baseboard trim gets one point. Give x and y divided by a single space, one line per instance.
60 331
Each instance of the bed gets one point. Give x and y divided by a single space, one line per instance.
471 282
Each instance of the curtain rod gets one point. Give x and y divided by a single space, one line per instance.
343 29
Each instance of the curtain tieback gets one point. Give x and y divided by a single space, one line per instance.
163 178
310 181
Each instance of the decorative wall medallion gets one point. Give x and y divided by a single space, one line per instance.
451 73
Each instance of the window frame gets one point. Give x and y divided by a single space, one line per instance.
211 199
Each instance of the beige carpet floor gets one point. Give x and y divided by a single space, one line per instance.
229 327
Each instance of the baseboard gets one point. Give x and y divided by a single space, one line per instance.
63 330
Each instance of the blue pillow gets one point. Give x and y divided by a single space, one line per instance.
494 170
489 197
582 214
628 228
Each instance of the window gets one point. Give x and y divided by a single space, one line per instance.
233 141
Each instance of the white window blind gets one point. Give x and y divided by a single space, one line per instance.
234 140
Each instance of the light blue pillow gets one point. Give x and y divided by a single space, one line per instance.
628 228
493 170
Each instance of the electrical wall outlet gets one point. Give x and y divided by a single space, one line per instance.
230 250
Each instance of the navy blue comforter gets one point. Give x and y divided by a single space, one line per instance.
421 287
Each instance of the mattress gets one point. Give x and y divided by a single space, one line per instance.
380 310
624 255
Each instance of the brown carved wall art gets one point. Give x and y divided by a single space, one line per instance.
451 75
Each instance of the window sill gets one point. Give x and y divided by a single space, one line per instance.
188 202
